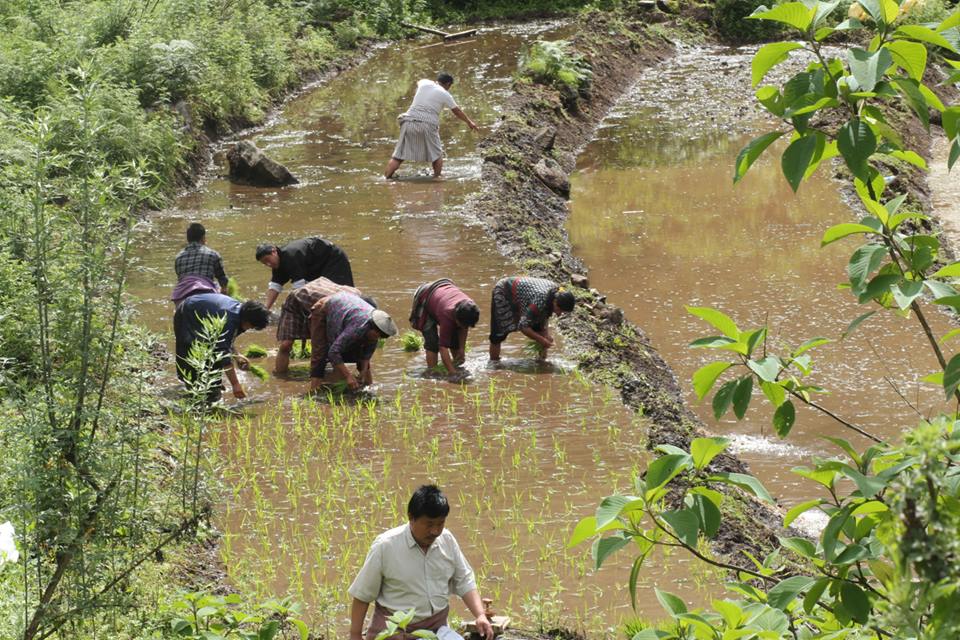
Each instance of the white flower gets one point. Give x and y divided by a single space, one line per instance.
8 548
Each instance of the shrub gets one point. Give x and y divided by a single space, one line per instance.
728 20
552 62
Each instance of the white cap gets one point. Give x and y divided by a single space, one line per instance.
384 322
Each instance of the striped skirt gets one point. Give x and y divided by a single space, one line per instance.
419 141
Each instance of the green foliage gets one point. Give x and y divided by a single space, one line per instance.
233 289
201 616
887 562
259 371
411 341
729 23
255 351
552 62
301 349
534 349
399 622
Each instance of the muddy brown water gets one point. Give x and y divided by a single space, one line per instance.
524 450
659 224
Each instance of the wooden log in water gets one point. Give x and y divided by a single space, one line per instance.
435 32
460 34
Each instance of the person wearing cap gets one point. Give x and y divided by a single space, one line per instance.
420 125
188 327
301 261
525 304
417 565
199 268
346 328
444 314
294 323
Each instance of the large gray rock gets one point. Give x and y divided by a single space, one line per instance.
249 165
553 176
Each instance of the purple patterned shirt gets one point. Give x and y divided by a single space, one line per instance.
348 318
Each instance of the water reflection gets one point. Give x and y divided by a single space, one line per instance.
659 224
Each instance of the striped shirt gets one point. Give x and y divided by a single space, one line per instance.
197 259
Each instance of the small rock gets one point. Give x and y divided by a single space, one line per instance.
249 165
579 280
545 137
553 176
612 315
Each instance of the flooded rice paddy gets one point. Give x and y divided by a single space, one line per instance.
659 224
524 450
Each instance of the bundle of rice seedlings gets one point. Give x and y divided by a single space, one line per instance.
534 349
301 350
259 371
233 289
411 341
255 351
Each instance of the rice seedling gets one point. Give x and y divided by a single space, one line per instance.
411 341
533 349
259 371
313 480
302 349
233 289
255 351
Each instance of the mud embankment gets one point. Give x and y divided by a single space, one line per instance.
522 201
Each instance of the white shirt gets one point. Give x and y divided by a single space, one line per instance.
399 574
429 101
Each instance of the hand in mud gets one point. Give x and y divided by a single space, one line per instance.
353 384
457 376
484 628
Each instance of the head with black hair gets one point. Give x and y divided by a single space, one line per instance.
253 315
269 255
196 232
445 80
564 301
428 509
466 313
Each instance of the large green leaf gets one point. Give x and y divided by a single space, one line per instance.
723 398
855 601
838 231
799 509
703 450
951 122
794 14
906 291
863 262
603 547
741 396
813 594
830 537
749 154
951 376
909 56
670 602
774 392
800 546
853 553
783 418
911 91
664 469
856 144
786 590
745 482
685 525
954 154
718 319
767 368
796 159
855 323
949 22
708 514
611 507
923 34
705 377
823 10
868 67
770 55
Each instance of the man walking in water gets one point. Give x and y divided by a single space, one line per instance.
420 125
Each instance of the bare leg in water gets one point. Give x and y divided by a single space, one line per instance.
392 167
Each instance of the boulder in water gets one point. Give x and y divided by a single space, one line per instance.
249 165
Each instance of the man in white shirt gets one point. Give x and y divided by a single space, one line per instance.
420 125
416 565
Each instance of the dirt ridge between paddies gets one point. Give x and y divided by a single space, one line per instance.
527 219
